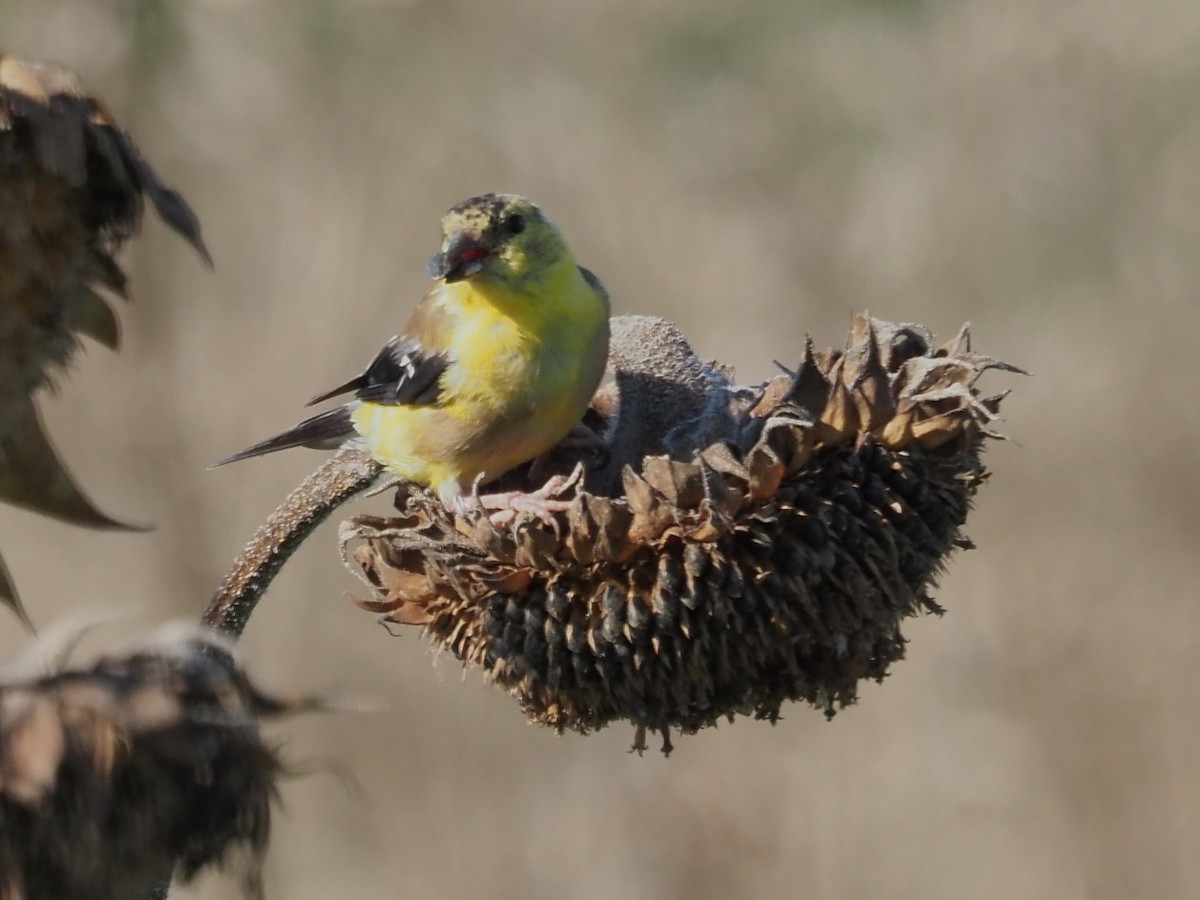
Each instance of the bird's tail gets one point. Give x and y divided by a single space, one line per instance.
327 430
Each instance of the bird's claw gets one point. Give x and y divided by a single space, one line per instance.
541 504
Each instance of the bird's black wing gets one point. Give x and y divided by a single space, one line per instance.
401 374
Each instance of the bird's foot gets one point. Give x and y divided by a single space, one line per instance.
542 504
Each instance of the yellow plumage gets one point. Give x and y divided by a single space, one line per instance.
496 366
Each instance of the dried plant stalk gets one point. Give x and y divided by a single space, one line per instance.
117 772
347 473
736 548
71 192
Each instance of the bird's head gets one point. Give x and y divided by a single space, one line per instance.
500 237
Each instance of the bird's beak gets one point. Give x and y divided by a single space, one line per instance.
462 258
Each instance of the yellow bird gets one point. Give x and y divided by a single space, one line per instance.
495 367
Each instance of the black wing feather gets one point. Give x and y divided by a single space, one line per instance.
401 374
325 430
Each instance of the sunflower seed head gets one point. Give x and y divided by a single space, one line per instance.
734 549
116 773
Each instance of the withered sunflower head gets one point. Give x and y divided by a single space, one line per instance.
72 186
732 549
136 766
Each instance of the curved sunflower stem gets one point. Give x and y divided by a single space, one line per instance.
346 474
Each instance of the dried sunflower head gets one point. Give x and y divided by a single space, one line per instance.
734 547
71 190
115 774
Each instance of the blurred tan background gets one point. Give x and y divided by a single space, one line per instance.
754 173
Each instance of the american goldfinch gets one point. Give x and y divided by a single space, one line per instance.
495 367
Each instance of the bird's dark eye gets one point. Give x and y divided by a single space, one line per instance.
513 224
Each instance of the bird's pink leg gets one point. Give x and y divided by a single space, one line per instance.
542 503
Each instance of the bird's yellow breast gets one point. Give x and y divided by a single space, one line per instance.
523 367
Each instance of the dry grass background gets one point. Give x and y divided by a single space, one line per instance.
754 173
